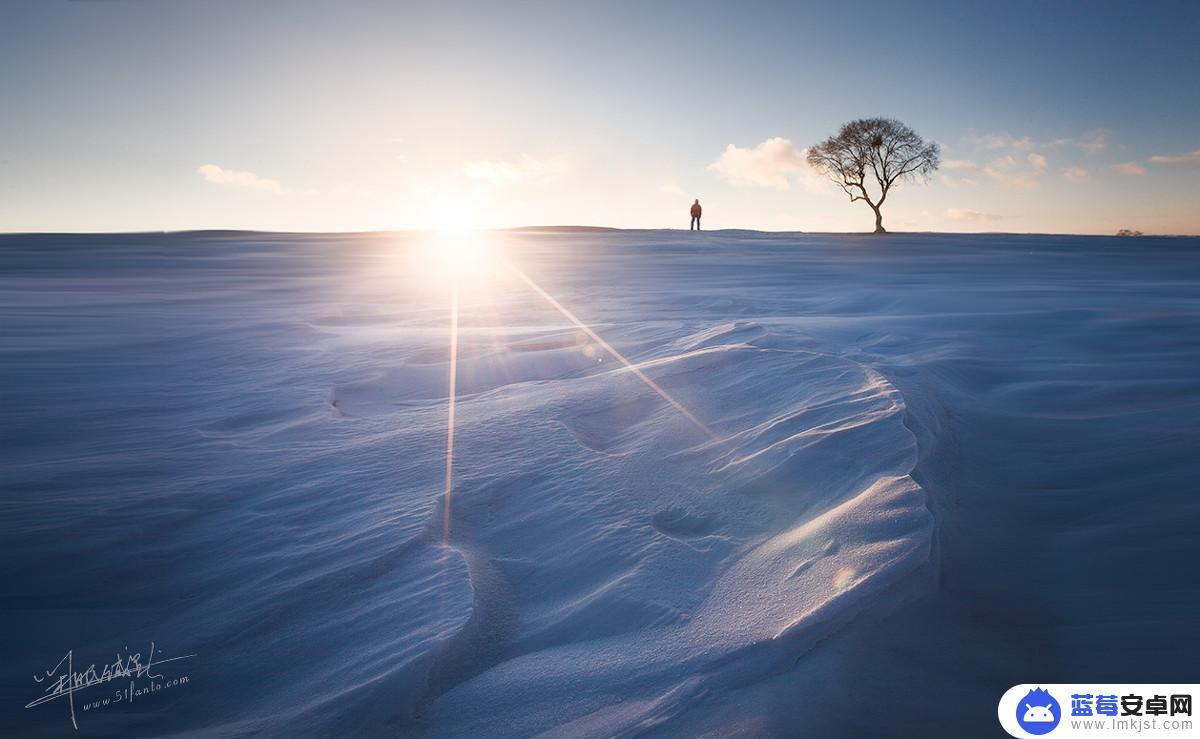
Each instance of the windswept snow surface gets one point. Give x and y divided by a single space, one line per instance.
849 485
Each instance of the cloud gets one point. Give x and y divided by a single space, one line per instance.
500 173
1015 180
959 164
957 182
1006 172
238 178
1130 169
768 165
670 188
1074 173
1003 141
971 216
1192 157
1092 142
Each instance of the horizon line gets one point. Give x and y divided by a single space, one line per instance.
569 229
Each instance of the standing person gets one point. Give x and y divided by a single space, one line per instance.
695 215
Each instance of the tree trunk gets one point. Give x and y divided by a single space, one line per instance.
879 229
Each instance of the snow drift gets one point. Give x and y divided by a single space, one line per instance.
234 445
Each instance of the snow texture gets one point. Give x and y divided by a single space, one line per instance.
926 467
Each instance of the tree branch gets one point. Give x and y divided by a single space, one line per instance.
891 150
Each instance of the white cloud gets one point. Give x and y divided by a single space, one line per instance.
1015 180
768 165
1005 172
497 173
1003 141
1130 169
1192 157
957 182
972 216
526 168
1092 142
238 178
670 188
1074 173
959 164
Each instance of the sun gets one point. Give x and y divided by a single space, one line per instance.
450 213
467 258
455 247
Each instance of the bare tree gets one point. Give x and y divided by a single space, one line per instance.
890 150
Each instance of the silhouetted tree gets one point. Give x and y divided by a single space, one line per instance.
886 148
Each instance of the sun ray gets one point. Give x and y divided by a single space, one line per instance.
612 350
451 401
452 394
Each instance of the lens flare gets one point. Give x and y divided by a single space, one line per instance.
844 578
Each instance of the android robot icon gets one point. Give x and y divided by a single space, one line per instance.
1038 712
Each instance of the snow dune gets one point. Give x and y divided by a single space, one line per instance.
911 454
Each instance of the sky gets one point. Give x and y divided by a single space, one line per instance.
1065 117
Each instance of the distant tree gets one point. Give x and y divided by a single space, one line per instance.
886 148
1127 232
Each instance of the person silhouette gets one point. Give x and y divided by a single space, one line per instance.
695 215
